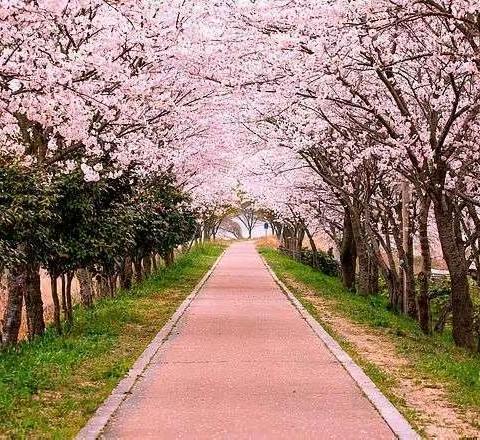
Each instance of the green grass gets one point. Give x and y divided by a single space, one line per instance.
49 388
433 357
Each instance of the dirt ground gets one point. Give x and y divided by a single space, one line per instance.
438 418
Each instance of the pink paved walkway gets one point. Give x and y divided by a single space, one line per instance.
245 365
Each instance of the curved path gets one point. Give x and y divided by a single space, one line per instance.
242 363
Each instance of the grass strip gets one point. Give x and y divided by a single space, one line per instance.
50 387
434 357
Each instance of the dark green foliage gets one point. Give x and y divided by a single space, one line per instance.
25 215
94 223
162 218
63 223
440 288
321 261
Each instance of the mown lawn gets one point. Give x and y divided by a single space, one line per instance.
434 357
50 388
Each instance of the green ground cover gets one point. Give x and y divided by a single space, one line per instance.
433 357
49 388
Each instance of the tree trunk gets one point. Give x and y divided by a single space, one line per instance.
154 263
363 254
408 282
112 285
395 292
34 302
86 287
443 316
406 197
363 278
103 287
68 295
454 254
390 273
169 258
12 317
56 304
63 284
373 276
426 272
300 235
126 274
313 246
147 265
272 228
410 288
279 232
348 253
137 264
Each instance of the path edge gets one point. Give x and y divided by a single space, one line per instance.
105 411
392 416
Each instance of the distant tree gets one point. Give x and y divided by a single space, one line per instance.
248 214
230 226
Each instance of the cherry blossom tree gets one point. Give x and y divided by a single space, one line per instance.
356 118
370 94
90 88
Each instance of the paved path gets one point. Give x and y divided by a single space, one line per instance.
243 364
